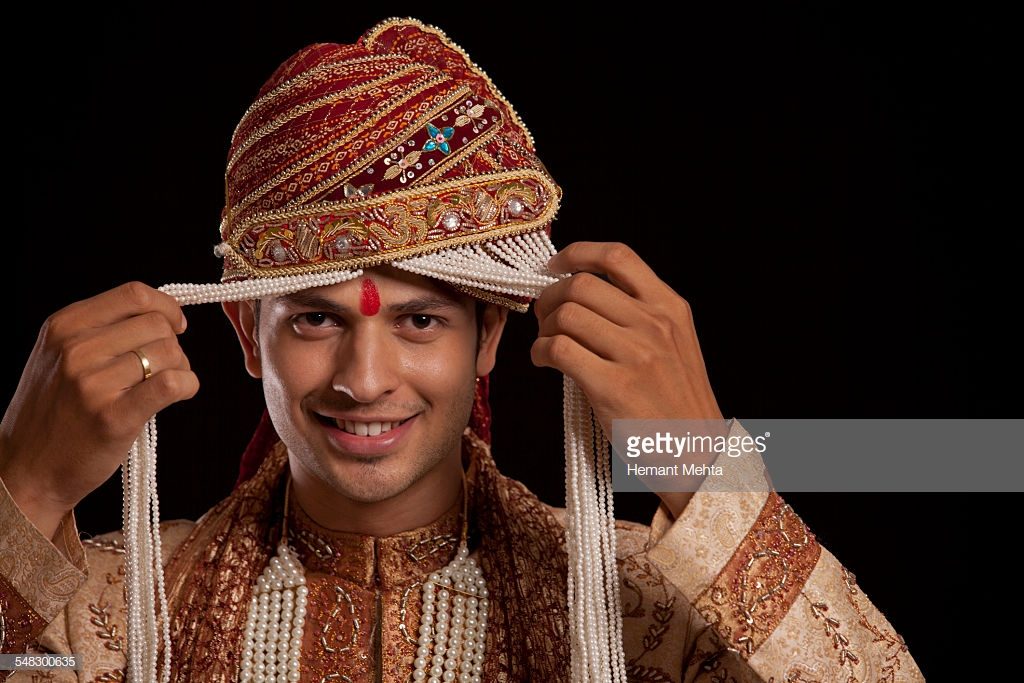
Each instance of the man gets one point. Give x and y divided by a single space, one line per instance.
371 309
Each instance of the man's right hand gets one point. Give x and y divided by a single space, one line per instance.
82 401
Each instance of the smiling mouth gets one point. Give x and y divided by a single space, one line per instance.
361 428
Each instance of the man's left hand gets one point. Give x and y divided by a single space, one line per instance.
629 342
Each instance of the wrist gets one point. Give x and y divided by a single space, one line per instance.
675 501
43 511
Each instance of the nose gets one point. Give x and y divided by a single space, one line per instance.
366 365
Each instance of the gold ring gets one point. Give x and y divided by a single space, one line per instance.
147 369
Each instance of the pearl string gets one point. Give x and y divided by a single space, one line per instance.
452 640
607 527
590 549
593 594
277 614
256 288
526 273
574 515
513 265
132 550
154 538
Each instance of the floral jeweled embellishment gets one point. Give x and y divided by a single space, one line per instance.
474 114
343 244
279 253
402 168
515 206
270 242
438 138
451 221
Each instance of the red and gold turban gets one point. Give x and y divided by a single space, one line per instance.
357 155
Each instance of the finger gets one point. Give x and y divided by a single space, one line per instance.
147 398
588 290
593 332
131 333
131 298
619 262
125 371
569 357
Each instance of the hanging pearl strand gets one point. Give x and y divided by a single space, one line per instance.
453 627
144 575
576 578
592 548
594 605
129 472
153 537
277 614
484 266
606 516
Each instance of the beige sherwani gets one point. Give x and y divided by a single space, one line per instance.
736 589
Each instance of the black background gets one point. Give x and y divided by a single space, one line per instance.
827 187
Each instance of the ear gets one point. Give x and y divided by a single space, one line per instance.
242 318
495 317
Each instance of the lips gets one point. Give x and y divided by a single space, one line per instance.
365 438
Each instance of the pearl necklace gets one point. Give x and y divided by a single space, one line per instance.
452 631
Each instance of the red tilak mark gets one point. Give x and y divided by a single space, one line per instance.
369 303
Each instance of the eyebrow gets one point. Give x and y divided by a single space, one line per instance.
312 300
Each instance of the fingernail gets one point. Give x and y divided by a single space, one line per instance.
184 323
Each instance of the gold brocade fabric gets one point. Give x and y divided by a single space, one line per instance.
364 599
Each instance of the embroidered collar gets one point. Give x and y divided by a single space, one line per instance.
393 561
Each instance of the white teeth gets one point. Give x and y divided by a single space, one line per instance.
366 428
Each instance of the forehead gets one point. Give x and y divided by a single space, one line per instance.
390 284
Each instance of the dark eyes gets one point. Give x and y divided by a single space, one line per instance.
314 319
422 318
317 320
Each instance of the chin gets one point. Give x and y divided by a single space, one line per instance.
367 481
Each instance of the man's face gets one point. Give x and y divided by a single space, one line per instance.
388 345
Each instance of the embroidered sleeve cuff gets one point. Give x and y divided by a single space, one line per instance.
737 551
43 575
776 601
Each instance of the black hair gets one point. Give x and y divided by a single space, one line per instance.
256 311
